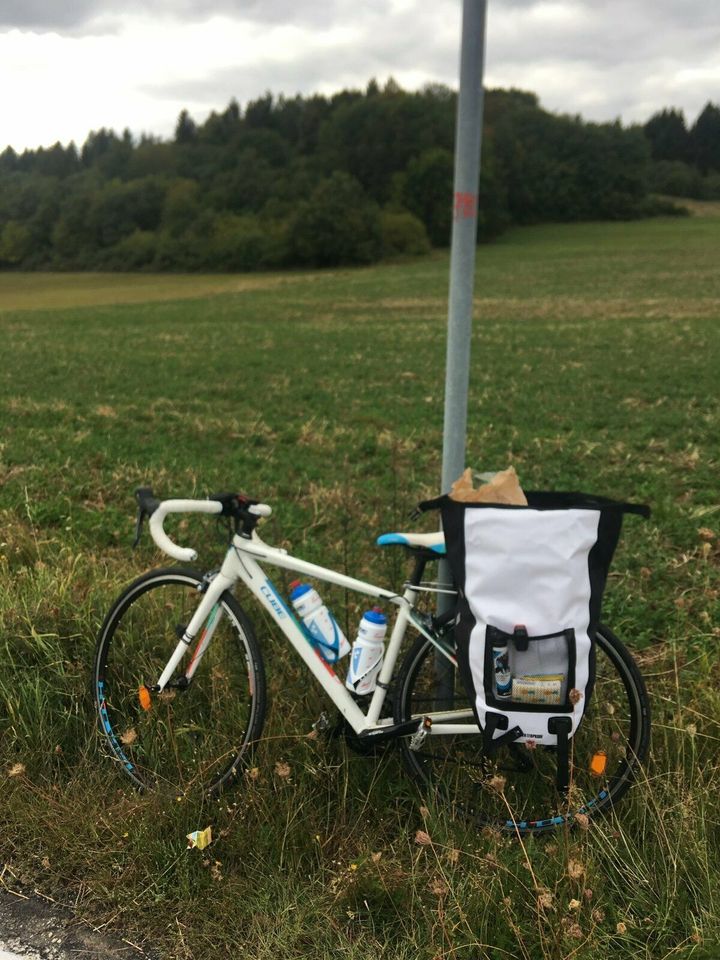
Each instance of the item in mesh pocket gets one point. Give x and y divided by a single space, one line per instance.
503 676
531 690
542 676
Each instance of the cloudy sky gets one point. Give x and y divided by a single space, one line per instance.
69 66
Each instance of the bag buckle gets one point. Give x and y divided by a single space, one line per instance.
520 637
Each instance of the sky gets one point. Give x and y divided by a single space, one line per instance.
71 66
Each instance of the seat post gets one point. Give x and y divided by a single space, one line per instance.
418 571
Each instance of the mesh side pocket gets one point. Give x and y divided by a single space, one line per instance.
540 671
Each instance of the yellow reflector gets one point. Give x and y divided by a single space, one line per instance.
598 763
144 697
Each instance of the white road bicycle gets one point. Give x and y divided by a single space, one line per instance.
179 683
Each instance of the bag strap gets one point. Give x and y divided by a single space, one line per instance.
561 727
426 505
490 742
640 509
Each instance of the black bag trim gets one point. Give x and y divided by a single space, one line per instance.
545 500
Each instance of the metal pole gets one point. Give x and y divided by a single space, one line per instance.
468 137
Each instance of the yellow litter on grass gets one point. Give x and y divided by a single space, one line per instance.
200 838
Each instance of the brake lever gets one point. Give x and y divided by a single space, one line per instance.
147 505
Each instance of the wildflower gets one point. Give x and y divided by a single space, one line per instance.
545 899
575 870
621 928
438 886
422 838
497 783
282 769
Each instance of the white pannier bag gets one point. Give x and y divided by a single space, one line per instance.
530 582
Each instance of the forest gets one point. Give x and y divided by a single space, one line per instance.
320 181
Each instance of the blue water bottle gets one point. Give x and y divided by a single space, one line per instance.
325 634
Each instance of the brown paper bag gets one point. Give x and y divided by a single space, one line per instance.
503 488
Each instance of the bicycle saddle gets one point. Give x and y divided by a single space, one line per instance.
434 542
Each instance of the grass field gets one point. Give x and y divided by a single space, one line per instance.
595 366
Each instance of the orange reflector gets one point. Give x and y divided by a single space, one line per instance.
598 763
144 697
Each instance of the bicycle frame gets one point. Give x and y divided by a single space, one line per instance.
241 564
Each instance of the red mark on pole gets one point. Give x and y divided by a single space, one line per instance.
465 206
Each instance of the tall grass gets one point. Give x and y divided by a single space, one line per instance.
594 366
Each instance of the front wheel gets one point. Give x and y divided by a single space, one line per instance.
194 735
516 791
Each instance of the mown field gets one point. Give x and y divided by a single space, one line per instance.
595 366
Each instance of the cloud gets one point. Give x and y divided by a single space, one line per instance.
84 16
45 15
82 64
609 59
289 60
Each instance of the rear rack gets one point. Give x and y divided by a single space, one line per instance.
431 586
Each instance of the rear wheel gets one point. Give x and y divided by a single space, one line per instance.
516 791
193 736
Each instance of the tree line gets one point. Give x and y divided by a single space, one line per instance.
320 181
686 159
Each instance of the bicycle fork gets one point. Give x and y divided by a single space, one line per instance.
204 622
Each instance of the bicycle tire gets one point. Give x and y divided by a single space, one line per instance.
192 739
454 770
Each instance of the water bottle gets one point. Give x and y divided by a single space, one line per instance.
501 666
367 653
325 634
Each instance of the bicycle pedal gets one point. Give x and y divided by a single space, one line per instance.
420 735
